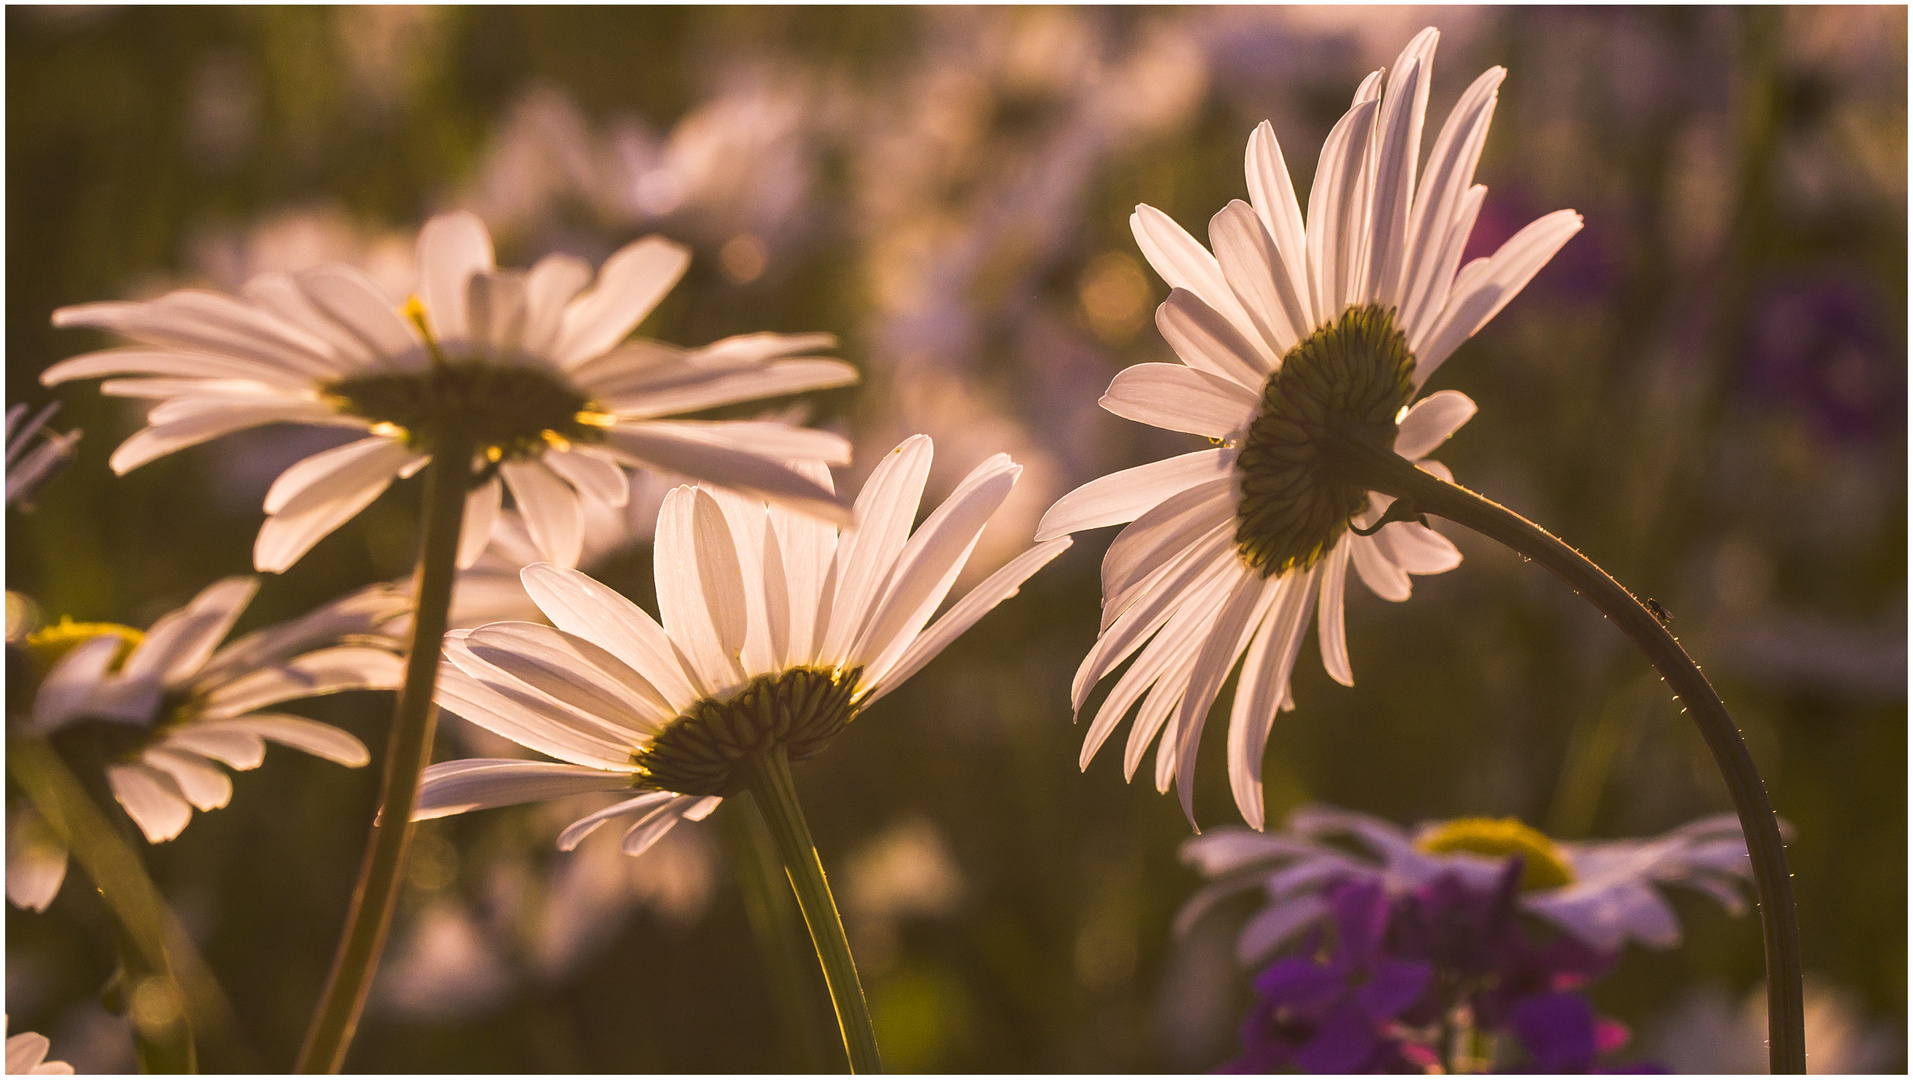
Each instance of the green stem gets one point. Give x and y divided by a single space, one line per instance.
155 946
776 796
1389 473
408 751
776 924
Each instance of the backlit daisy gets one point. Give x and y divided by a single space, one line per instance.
776 628
1604 892
163 708
1290 334
530 369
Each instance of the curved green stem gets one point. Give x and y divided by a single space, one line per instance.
408 751
173 994
1389 473
780 935
776 797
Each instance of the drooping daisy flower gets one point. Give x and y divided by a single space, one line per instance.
26 1054
776 628
525 368
164 707
1605 893
28 465
1290 334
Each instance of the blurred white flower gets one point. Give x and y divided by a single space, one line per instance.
1604 892
26 1053
1707 1031
776 627
1286 332
169 704
525 367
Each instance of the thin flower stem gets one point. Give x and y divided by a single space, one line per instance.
155 946
408 751
1387 472
775 924
776 797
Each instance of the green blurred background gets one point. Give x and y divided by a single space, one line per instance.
1705 392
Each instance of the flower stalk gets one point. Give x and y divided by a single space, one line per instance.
1379 469
165 974
780 935
408 751
775 796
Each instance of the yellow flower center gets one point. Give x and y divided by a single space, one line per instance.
47 645
1497 838
510 409
707 750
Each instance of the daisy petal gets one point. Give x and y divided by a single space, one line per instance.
482 508
203 785
1179 398
328 503
1127 495
451 249
741 471
1186 264
1431 421
1504 274
454 787
151 799
630 284
550 509
575 833
577 604
1205 341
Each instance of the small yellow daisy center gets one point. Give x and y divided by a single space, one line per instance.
509 408
1352 375
707 750
1547 865
47 645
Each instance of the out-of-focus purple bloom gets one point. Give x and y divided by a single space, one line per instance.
1816 345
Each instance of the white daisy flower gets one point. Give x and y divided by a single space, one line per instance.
166 705
1288 332
26 1054
1604 892
29 465
776 628
526 367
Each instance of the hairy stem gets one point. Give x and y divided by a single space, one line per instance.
408 751
1386 472
776 797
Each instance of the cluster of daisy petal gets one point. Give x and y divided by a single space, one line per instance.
1391 941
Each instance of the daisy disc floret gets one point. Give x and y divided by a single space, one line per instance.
529 372
1605 893
775 629
164 708
1295 336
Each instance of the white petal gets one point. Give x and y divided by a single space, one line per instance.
1197 565
1153 540
809 547
1451 169
885 510
749 528
309 736
1206 342
170 362
550 510
550 285
1273 196
282 295
36 861
530 720
234 748
323 671
451 248
681 602
767 438
1264 687
577 604
1127 495
698 390
1179 398
1338 176
199 780
454 787
1186 264
80 686
1332 628
575 833
181 642
576 672
482 507
151 799
1400 131
1506 272
652 827
630 284
1418 549
710 461
1382 576
1258 277
164 438
311 470
929 564
595 477
1431 421
719 576
1223 645
362 308
326 504
963 614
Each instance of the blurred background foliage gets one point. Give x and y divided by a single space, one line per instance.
1706 392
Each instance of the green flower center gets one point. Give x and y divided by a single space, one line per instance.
1353 375
509 410
1547 866
707 750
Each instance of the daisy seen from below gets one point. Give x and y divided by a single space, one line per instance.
777 630
1605 893
163 709
1290 330
528 373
